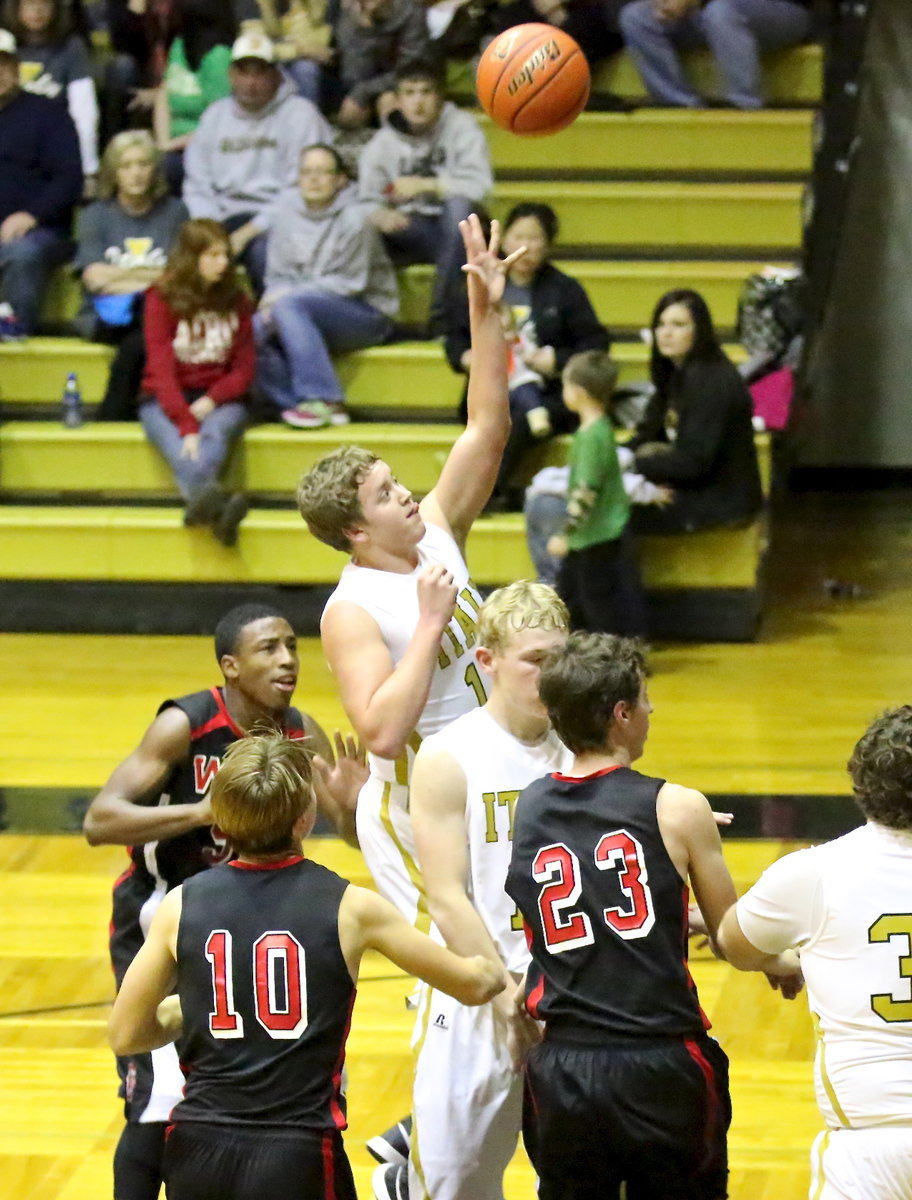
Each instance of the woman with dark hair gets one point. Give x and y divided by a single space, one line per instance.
199 368
547 318
696 435
54 62
196 74
123 244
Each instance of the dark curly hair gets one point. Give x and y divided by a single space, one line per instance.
582 681
881 769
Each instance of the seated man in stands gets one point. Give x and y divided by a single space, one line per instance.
423 172
373 38
736 31
40 182
246 150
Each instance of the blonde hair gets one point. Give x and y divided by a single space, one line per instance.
117 147
328 498
262 788
521 605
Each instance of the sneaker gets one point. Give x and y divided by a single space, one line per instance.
338 413
206 506
226 527
390 1182
394 1145
310 414
10 328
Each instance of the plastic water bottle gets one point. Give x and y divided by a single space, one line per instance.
71 402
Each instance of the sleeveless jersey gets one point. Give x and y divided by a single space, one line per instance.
169 862
497 766
847 907
392 600
266 996
605 907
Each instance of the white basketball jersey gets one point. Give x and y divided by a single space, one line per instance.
847 907
392 600
497 767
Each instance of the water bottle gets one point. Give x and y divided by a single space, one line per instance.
71 403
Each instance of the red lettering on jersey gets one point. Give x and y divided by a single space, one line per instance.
205 769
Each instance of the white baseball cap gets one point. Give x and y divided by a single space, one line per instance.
253 45
7 43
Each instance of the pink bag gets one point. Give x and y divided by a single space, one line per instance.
772 396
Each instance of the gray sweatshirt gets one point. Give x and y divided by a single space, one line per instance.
455 151
334 249
238 162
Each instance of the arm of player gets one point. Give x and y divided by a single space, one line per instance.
340 772
744 955
124 812
468 475
368 922
134 1026
384 702
437 798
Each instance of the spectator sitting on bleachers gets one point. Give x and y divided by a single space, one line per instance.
373 39
302 33
246 150
200 362
122 246
697 434
330 288
423 172
40 183
547 318
736 31
138 33
54 62
195 76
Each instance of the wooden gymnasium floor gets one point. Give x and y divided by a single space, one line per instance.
773 718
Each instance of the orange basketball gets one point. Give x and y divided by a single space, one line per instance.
533 79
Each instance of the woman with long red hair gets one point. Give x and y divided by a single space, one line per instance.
199 367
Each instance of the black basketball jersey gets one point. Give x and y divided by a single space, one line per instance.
265 994
604 906
211 733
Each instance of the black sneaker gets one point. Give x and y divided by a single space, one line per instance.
394 1145
226 527
206 506
390 1182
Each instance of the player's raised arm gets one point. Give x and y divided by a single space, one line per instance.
368 922
124 813
340 770
468 476
134 1026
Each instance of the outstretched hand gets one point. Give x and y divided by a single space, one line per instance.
486 270
342 780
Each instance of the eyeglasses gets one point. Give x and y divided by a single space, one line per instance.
319 172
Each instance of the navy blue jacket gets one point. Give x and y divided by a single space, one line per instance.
40 169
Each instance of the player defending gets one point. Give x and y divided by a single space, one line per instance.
467 1097
626 1085
157 803
847 907
399 629
264 953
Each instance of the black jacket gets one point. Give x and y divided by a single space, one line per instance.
563 315
712 463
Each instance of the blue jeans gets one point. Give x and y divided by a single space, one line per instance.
218 433
26 266
436 240
306 327
736 32
546 514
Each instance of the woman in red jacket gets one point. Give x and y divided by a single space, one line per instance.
199 367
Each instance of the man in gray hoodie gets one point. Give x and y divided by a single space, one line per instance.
423 172
246 150
330 288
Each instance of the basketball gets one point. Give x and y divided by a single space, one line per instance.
533 80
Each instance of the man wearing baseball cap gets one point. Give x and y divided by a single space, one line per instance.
40 182
247 148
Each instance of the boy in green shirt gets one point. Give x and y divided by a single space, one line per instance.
599 579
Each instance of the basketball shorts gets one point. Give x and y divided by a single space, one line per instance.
385 835
466 1102
651 1113
236 1162
862 1164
